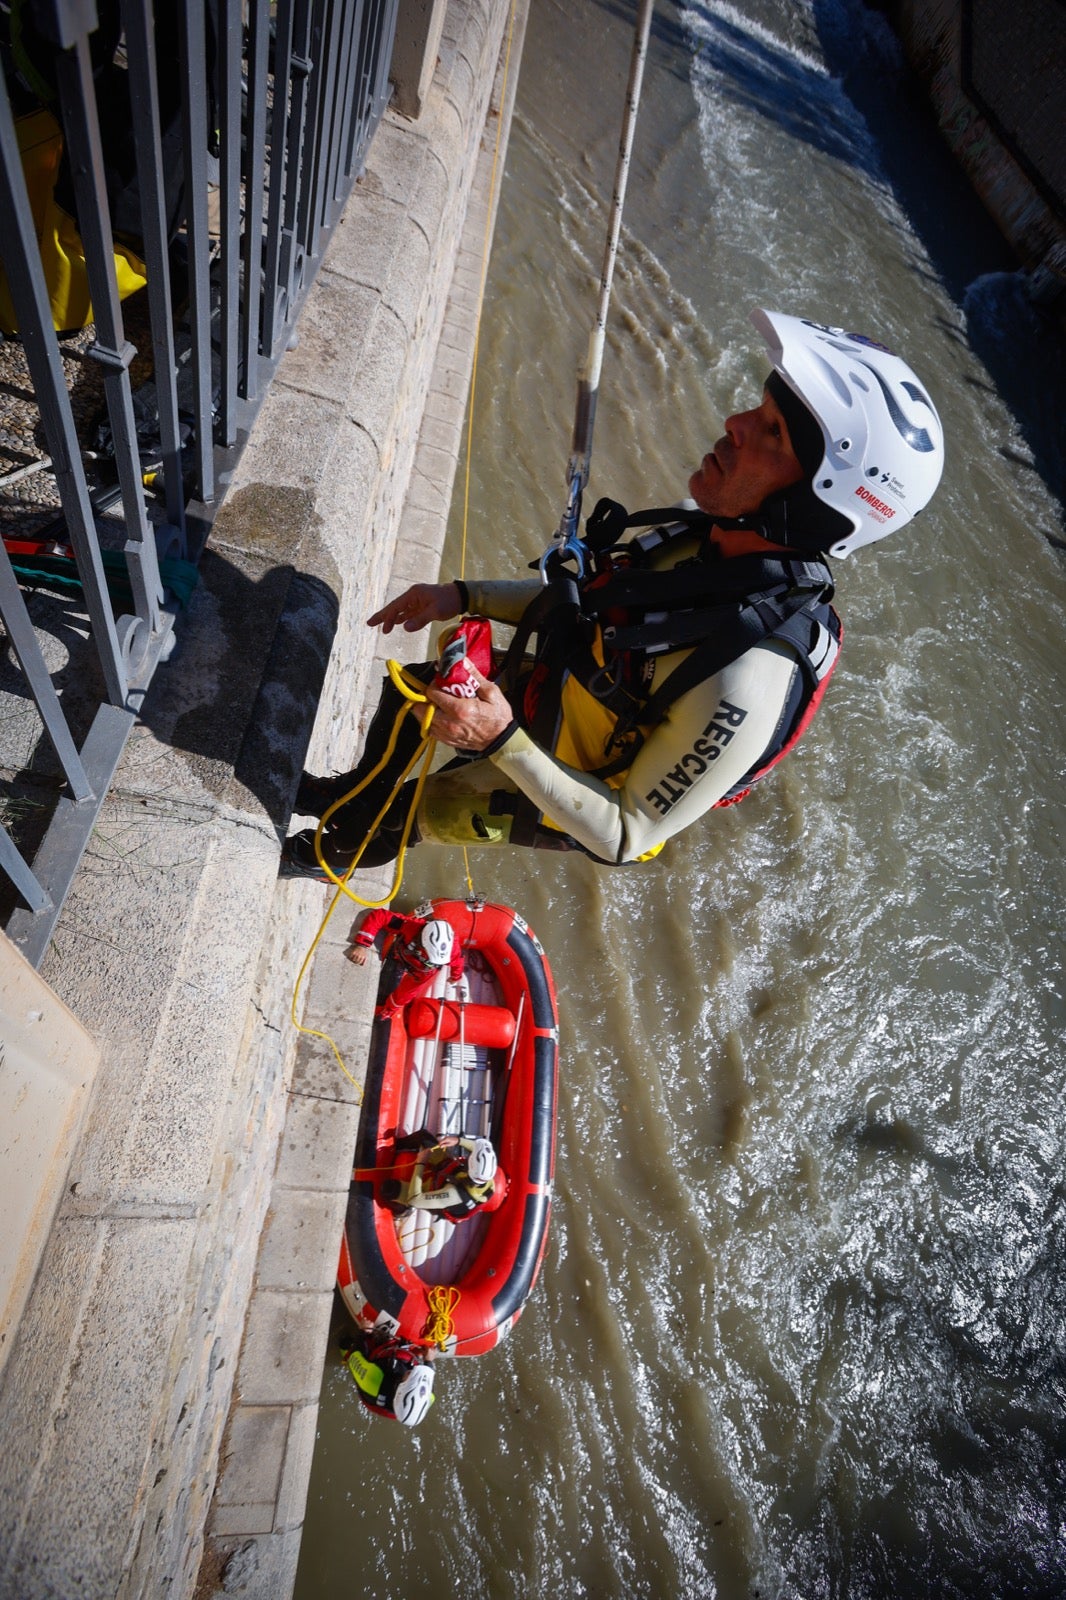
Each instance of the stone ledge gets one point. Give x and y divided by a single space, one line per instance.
322 1115
315 500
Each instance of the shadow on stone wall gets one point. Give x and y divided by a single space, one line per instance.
240 694
235 702
1021 343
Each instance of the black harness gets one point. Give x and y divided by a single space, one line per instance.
714 608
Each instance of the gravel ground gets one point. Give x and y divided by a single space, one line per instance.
33 500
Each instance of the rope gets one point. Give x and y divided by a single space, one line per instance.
481 290
439 1328
396 672
424 753
566 542
477 340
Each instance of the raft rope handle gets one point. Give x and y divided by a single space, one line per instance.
567 542
443 1299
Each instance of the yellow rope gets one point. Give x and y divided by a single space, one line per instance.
412 690
413 695
481 291
439 1328
477 336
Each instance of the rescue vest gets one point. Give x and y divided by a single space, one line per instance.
439 1181
589 694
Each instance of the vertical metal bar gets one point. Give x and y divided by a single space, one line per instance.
77 99
23 640
254 182
359 82
230 41
18 245
338 188
144 102
305 64
305 227
379 81
195 131
63 846
326 122
21 876
362 72
375 60
340 24
282 175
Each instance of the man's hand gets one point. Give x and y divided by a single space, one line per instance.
417 607
357 954
470 724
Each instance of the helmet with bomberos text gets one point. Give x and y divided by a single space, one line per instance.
864 429
437 940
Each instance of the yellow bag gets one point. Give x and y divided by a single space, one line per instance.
62 252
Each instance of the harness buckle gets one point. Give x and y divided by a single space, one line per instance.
620 747
605 681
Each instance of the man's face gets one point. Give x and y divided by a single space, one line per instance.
753 460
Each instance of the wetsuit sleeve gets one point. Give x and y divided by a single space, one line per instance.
502 599
711 739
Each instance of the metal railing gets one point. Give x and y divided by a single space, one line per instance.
278 100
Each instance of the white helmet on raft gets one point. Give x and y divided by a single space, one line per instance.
437 940
413 1396
481 1161
882 442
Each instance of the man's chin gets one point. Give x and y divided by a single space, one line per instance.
705 501
697 489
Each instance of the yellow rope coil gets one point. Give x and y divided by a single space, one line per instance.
443 1299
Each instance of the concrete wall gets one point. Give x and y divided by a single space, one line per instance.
1009 64
254 1525
178 949
414 56
48 1065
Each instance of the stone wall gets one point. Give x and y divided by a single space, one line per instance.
995 75
178 949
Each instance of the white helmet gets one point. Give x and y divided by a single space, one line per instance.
413 1396
437 940
481 1161
883 443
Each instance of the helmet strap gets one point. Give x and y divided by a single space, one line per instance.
798 519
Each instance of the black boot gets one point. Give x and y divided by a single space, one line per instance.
342 836
315 795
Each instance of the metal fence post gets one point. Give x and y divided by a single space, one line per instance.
322 80
111 348
22 263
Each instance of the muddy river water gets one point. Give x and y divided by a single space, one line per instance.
801 1326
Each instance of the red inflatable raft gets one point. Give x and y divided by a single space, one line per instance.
473 1061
